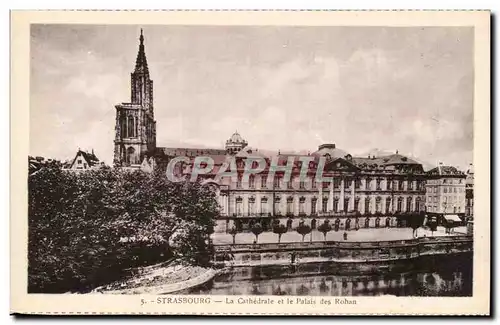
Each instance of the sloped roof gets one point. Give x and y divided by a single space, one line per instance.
330 150
191 152
91 158
445 170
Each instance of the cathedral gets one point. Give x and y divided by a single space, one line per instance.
366 192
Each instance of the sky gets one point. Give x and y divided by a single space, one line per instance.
365 89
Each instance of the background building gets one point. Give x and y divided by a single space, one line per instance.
83 161
445 193
469 192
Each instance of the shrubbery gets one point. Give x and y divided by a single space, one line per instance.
86 229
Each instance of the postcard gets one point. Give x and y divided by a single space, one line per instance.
250 162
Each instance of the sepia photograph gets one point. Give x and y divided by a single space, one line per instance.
244 163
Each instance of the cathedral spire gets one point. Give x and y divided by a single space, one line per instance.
141 64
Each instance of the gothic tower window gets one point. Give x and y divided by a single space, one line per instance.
130 155
130 127
123 127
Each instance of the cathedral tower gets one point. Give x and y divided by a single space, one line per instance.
135 128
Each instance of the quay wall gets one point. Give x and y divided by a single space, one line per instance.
341 252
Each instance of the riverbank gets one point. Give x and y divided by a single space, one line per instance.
160 279
337 251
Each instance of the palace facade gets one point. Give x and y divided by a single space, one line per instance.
382 191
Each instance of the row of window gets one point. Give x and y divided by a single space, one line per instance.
435 208
446 181
290 207
389 185
446 189
348 225
449 198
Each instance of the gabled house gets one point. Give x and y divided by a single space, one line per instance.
84 160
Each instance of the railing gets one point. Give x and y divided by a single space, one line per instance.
337 244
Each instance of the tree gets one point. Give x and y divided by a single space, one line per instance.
86 229
233 232
416 221
257 230
325 228
432 224
303 229
279 229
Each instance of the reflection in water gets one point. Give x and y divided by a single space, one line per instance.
430 276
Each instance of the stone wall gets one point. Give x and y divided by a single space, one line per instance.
345 252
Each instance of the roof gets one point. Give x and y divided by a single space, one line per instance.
91 158
330 150
236 138
191 152
445 171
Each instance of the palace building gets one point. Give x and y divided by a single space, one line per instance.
382 191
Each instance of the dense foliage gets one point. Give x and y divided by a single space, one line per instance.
86 229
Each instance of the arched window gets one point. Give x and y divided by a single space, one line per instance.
348 224
313 224
336 204
289 224
130 158
387 222
377 222
123 127
418 204
131 127
367 223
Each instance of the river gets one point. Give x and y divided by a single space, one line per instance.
426 276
